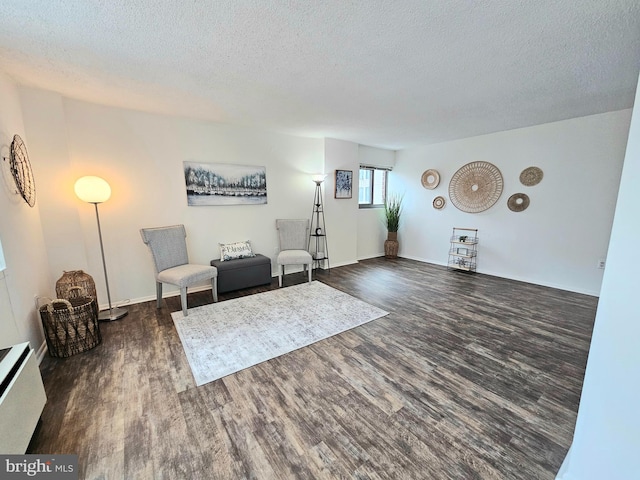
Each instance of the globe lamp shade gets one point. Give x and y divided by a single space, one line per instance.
92 189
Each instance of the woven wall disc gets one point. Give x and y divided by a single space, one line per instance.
518 202
438 203
21 171
430 179
531 176
476 187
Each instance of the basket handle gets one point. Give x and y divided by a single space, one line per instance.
43 302
76 292
59 304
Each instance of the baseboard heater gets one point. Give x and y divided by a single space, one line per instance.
22 398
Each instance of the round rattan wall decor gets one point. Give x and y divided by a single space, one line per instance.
430 179
21 170
531 176
518 202
476 187
438 203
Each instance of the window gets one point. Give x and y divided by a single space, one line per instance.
372 189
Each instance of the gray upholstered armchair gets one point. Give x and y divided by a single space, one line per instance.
169 250
294 240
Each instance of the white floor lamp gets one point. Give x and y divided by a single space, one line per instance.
95 190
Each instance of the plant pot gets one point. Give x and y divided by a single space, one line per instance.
391 245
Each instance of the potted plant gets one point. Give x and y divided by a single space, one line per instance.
392 212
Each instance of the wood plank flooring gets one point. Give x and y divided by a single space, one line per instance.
469 377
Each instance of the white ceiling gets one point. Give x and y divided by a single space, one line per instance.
387 73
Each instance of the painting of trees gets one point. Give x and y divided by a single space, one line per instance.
224 184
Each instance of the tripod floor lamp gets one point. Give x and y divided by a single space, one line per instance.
95 190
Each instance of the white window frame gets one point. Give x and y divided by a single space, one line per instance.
370 204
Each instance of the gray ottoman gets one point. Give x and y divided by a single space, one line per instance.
242 273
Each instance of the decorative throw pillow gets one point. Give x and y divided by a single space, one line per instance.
231 251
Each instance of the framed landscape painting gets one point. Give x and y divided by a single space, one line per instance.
225 184
344 183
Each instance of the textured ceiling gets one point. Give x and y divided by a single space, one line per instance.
387 73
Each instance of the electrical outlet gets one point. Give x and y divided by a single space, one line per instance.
601 263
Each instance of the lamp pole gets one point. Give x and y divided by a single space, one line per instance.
112 313
96 190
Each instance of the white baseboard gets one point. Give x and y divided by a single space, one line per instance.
202 288
378 255
342 264
42 351
149 298
516 278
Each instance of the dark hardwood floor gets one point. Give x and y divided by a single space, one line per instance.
469 376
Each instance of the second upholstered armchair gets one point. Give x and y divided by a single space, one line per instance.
294 240
169 250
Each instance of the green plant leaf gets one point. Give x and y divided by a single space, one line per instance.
392 212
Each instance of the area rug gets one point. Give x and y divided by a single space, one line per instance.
225 337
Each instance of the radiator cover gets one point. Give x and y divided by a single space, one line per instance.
22 398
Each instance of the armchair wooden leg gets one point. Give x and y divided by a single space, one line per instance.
280 274
183 300
310 271
159 294
214 288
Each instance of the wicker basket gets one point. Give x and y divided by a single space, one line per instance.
70 326
66 286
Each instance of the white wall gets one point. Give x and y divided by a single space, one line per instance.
27 273
559 239
141 156
341 214
607 435
564 232
371 228
45 121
